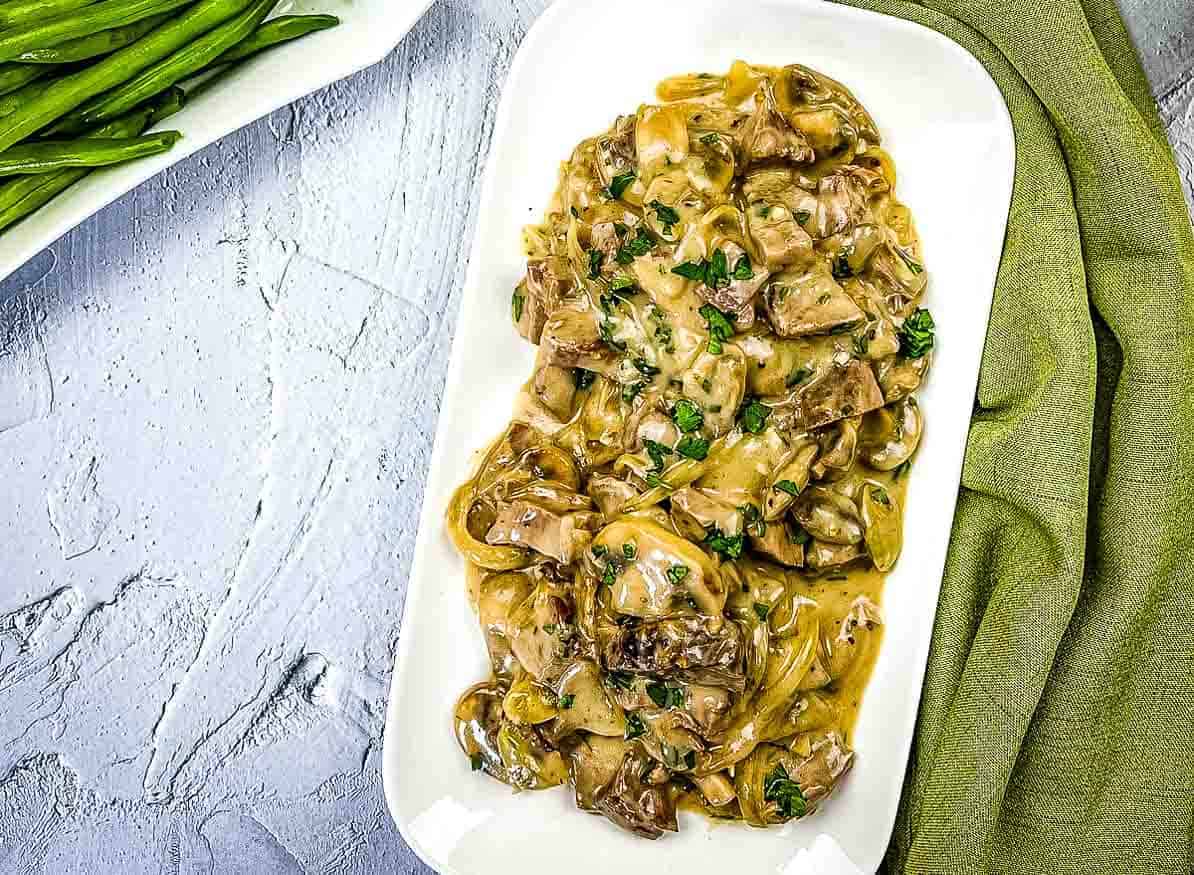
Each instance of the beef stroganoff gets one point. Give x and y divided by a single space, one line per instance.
677 548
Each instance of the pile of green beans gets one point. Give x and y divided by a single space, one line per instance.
82 81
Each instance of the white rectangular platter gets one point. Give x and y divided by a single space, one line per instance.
583 64
369 30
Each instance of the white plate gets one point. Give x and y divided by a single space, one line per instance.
582 64
368 31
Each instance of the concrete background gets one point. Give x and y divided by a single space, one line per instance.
211 476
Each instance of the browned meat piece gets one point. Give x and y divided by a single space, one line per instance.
844 195
560 536
704 650
616 154
548 281
736 300
777 235
634 802
610 493
776 543
768 135
572 339
823 768
800 304
843 391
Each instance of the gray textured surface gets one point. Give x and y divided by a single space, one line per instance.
216 405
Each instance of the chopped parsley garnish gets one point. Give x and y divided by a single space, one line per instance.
861 344
630 549
729 547
687 416
664 696
596 257
632 249
797 377
784 792
742 270
761 610
710 139
609 575
713 271
755 523
667 216
655 482
575 212
516 303
620 283
656 451
619 184
841 268
902 469
753 416
475 761
584 379
690 760
693 447
645 368
634 727
913 265
880 495
803 216
677 573
721 328
786 486
606 331
917 334
567 700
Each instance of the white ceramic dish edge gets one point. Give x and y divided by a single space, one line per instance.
964 369
369 30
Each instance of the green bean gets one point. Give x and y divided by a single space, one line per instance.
282 29
50 157
102 16
17 12
10 103
103 43
27 194
167 104
14 76
179 66
75 90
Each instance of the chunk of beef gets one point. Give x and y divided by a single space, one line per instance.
800 304
820 771
768 136
548 281
737 298
634 801
778 235
572 338
705 650
844 196
841 392
615 153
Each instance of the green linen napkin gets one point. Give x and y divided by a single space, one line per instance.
1056 728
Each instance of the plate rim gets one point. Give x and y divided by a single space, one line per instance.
430 515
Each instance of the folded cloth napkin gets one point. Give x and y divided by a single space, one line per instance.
1056 728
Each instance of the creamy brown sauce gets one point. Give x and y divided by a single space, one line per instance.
677 549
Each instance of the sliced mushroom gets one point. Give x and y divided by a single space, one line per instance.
555 388
529 702
900 377
839 448
694 514
550 495
657 573
559 536
535 633
671 738
499 595
717 789
855 636
789 481
822 556
829 516
717 383
709 707
611 494
661 138
583 702
530 763
477 719
818 773
890 435
802 88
